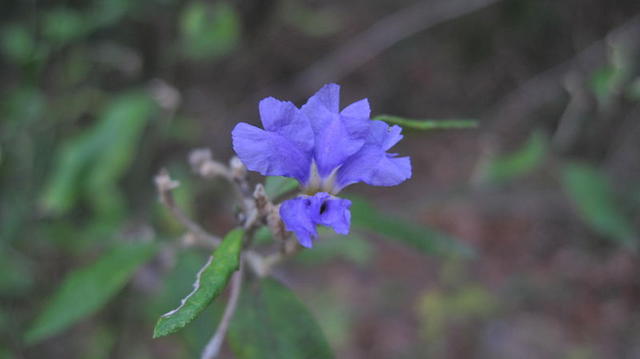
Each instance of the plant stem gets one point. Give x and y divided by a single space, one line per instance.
213 347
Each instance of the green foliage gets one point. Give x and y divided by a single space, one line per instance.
84 291
350 248
520 162
18 44
93 161
271 322
175 284
210 282
428 124
426 240
596 202
63 25
276 186
209 30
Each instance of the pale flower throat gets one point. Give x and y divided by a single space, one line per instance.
316 184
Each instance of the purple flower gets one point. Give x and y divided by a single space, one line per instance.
325 149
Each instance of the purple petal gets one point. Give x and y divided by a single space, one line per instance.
286 119
372 165
302 214
381 134
359 109
296 215
334 145
334 213
270 153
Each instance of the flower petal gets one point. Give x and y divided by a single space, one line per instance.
286 119
270 153
296 215
381 134
302 214
372 165
359 109
334 213
334 145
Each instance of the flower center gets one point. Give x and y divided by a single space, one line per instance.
316 183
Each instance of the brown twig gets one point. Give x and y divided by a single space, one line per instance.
381 36
165 185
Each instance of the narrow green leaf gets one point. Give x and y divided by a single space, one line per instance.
596 203
86 290
522 161
428 124
94 160
271 322
210 282
276 186
424 239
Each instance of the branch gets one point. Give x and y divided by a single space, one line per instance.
165 185
381 36
213 347
544 87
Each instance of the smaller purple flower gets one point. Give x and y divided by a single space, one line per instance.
302 214
326 149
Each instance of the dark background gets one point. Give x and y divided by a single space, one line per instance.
546 190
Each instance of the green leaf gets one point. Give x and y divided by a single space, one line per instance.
276 186
428 124
94 160
63 25
595 200
18 44
210 282
271 322
209 30
177 282
522 161
428 241
86 290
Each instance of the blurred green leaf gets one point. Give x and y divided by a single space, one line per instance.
21 106
351 248
121 126
276 186
428 241
63 25
313 22
271 322
18 44
95 159
209 30
86 290
428 124
210 282
518 163
595 200
603 81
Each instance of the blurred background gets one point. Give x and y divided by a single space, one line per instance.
522 233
